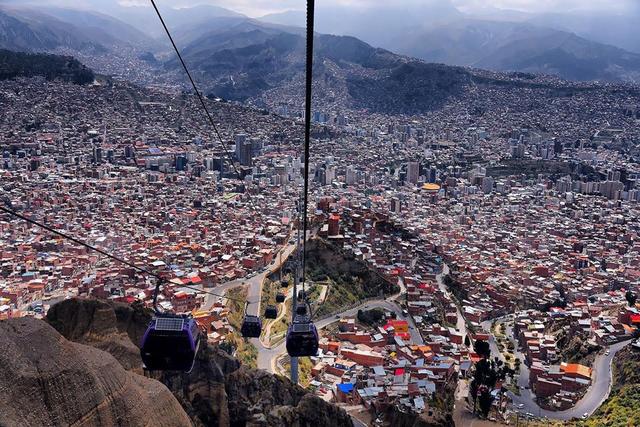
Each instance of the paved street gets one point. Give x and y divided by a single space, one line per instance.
597 393
267 356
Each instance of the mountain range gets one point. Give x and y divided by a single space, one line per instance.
518 46
239 58
46 29
576 46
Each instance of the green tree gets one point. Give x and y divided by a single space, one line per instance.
482 348
631 298
485 400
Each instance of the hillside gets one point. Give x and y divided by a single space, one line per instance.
621 408
39 35
519 46
351 280
18 64
251 62
219 391
48 29
47 380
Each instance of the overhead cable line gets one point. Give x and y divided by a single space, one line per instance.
195 88
307 133
108 255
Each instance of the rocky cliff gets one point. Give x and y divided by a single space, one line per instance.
217 392
46 380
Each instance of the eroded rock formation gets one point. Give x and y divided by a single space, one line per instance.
217 392
46 380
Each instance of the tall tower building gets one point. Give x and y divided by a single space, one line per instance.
334 225
245 156
413 172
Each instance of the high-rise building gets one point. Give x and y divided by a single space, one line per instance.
242 146
97 155
244 153
413 172
181 162
487 184
329 175
129 151
613 175
334 225
611 189
433 174
351 176
395 205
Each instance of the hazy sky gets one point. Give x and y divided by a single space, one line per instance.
257 8
261 7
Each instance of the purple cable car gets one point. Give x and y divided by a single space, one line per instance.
302 338
251 327
271 312
170 343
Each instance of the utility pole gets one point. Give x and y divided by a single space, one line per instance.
302 206
294 304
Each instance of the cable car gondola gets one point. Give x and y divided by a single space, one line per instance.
302 338
271 312
251 327
280 298
170 343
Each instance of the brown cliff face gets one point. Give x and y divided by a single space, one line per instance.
46 380
217 392
102 326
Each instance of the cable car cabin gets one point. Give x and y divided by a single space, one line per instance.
280 298
271 312
251 327
170 344
301 310
302 338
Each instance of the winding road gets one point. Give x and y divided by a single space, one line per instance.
254 283
597 393
267 356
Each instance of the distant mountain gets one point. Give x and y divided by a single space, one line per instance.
145 19
245 61
566 55
378 23
493 38
36 34
45 29
618 30
104 29
20 64
518 46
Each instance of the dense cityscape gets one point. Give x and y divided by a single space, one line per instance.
478 262
139 175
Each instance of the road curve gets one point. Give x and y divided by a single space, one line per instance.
267 356
597 393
